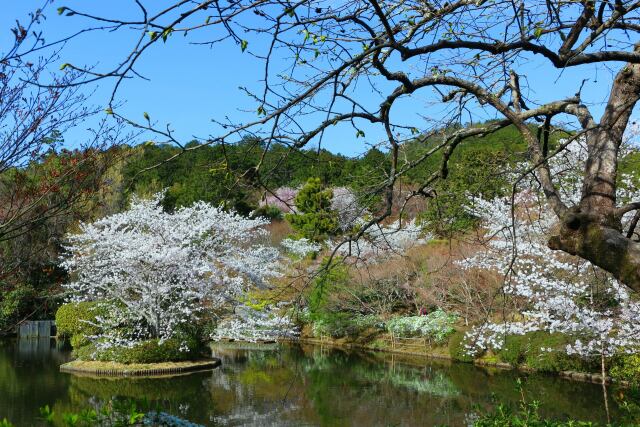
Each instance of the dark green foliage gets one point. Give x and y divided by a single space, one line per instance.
15 303
76 321
217 174
542 351
626 368
514 349
314 219
538 358
456 347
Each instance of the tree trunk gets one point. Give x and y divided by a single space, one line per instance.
593 230
607 247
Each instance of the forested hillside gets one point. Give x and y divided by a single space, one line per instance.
217 174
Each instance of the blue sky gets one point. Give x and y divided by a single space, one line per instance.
191 85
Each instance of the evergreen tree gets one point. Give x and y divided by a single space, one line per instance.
314 219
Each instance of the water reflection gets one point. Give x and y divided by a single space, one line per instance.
290 385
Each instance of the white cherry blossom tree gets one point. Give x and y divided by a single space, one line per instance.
155 271
554 291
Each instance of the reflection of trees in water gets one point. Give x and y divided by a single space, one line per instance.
29 371
306 385
178 395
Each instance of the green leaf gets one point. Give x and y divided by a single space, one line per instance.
149 143
243 45
47 414
261 111
290 12
153 35
108 110
146 116
538 32
360 133
65 65
62 9
166 34
206 21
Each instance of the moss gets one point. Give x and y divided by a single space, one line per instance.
456 347
151 351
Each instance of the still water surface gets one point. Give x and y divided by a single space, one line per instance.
293 385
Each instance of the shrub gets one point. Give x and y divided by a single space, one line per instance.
457 349
76 321
627 368
437 325
545 352
150 351
514 349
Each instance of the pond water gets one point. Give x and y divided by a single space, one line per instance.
294 385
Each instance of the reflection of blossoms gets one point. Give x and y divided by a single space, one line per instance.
560 293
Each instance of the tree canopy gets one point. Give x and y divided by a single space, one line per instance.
466 59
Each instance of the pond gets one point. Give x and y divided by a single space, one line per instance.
294 385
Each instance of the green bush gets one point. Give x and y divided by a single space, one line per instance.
436 325
151 351
626 368
76 321
456 347
514 349
540 358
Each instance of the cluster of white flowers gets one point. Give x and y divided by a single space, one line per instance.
558 293
384 242
155 270
300 247
437 325
256 325
346 204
